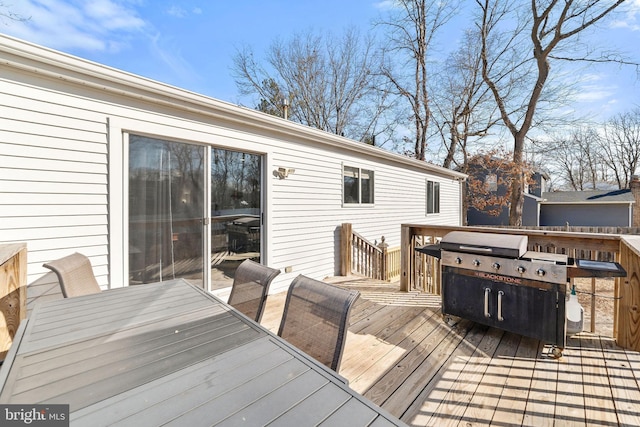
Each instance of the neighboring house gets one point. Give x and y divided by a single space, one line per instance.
154 182
530 210
533 196
597 208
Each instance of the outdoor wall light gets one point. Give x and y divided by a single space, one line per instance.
282 173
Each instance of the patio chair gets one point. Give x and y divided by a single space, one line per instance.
316 318
75 275
250 287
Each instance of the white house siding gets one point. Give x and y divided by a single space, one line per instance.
307 210
63 167
53 174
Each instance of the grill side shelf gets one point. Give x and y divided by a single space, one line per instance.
587 268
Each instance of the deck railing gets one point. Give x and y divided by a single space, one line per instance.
419 271
360 256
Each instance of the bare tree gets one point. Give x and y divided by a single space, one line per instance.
6 14
330 83
620 145
272 100
464 110
412 28
550 26
577 159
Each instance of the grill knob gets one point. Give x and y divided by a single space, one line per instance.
458 260
540 272
476 263
496 266
521 269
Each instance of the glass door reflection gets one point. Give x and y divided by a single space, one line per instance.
166 210
235 212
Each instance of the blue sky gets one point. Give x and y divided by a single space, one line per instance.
190 44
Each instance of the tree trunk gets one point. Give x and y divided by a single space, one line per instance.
517 184
453 146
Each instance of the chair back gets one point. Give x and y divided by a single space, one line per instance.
316 319
75 275
250 288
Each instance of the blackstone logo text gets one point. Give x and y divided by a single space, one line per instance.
499 278
34 415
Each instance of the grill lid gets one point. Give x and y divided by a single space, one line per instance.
502 245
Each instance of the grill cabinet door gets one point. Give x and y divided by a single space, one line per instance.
530 308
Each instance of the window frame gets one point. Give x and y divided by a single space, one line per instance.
359 184
491 181
432 199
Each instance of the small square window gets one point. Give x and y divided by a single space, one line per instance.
357 185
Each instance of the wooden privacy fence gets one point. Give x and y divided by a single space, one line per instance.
419 271
359 256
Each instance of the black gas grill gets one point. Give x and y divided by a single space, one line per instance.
494 280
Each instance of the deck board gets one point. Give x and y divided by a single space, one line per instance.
570 395
407 381
626 395
467 389
457 383
364 368
492 383
599 406
403 356
541 403
513 399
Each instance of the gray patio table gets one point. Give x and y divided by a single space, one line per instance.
171 354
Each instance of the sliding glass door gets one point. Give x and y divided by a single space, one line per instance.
169 186
166 210
235 212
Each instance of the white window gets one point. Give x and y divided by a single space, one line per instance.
357 185
433 197
491 181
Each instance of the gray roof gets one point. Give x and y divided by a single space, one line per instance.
595 196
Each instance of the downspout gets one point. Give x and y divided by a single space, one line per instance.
463 214
538 206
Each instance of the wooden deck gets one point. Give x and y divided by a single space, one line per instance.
401 355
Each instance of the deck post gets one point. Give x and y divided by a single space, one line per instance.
406 254
346 233
13 292
628 295
384 268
